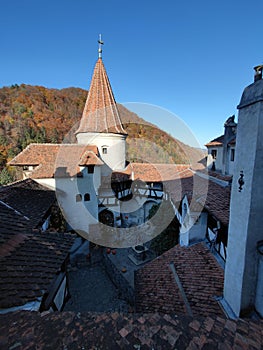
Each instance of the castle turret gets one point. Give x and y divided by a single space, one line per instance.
243 272
100 123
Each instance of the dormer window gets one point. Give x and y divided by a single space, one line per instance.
214 153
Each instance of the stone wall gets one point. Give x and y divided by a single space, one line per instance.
125 289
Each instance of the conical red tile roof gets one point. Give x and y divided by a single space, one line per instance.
100 113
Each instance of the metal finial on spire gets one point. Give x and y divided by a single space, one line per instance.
100 45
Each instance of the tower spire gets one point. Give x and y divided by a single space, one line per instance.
100 46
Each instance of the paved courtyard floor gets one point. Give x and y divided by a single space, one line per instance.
92 290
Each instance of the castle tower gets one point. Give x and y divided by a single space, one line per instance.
100 124
243 272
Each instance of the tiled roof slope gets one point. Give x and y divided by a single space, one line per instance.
30 199
216 142
13 226
220 140
68 330
100 113
214 198
199 273
28 264
11 221
157 172
180 180
49 157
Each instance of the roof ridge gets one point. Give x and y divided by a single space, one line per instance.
16 211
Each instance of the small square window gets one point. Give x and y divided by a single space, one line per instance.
104 150
90 169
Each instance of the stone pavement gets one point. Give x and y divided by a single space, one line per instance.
92 290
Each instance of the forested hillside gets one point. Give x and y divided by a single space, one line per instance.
38 114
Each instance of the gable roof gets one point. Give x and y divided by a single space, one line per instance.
216 142
89 158
48 158
28 265
199 273
101 112
27 203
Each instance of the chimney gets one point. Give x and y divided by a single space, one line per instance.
258 72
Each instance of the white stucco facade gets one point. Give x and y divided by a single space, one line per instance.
245 227
217 160
112 148
193 225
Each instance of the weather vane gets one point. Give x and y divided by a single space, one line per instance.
100 45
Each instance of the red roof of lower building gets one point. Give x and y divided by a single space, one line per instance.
28 265
200 275
216 142
48 159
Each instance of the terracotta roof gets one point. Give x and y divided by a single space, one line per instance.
200 275
100 113
28 204
178 181
89 158
214 198
11 221
49 158
28 264
216 142
13 226
157 172
216 175
69 330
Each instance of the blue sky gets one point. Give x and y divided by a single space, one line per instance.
192 58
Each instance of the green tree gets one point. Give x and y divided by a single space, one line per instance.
169 237
5 177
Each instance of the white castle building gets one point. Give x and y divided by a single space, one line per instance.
94 184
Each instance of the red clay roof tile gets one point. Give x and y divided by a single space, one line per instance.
216 142
101 112
127 331
199 273
47 158
30 265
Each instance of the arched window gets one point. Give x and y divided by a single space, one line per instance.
86 197
78 197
